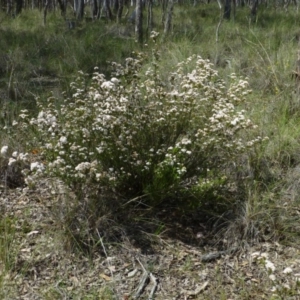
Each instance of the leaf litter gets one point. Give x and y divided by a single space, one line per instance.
38 265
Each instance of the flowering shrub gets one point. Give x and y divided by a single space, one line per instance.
137 134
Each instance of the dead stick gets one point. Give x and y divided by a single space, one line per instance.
142 285
153 290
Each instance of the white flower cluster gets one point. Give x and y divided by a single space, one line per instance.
4 150
291 280
14 157
127 129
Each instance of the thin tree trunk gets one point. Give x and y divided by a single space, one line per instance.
168 22
139 21
164 4
150 17
296 73
9 7
115 6
45 11
254 9
120 10
99 4
234 8
63 7
94 9
227 9
79 9
19 6
108 10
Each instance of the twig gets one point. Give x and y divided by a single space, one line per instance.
135 199
153 290
141 265
104 250
142 285
218 28
213 255
144 281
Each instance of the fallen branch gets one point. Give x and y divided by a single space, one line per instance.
144 281
147 276
155 284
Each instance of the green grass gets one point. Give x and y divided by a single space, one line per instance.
7 231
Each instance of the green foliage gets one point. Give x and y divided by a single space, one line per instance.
137 135
7 230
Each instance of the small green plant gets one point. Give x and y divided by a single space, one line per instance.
7 230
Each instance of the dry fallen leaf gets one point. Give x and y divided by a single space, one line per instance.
132 273
105 277
197 290
75 281
32 232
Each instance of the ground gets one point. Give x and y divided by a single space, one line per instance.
38 263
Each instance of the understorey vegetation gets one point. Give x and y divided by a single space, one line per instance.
138 138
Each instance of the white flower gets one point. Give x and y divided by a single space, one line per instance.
85 133
269 265
274 288
23 116
82 167
11 161
99 150
36 166
15 154
186 141
30 181
63 140
4 150
272 277
107 85
254 254
264 255
41 115
23 156
286 286
154 34
234 121
115 80
287 270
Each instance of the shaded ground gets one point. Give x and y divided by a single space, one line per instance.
37 262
